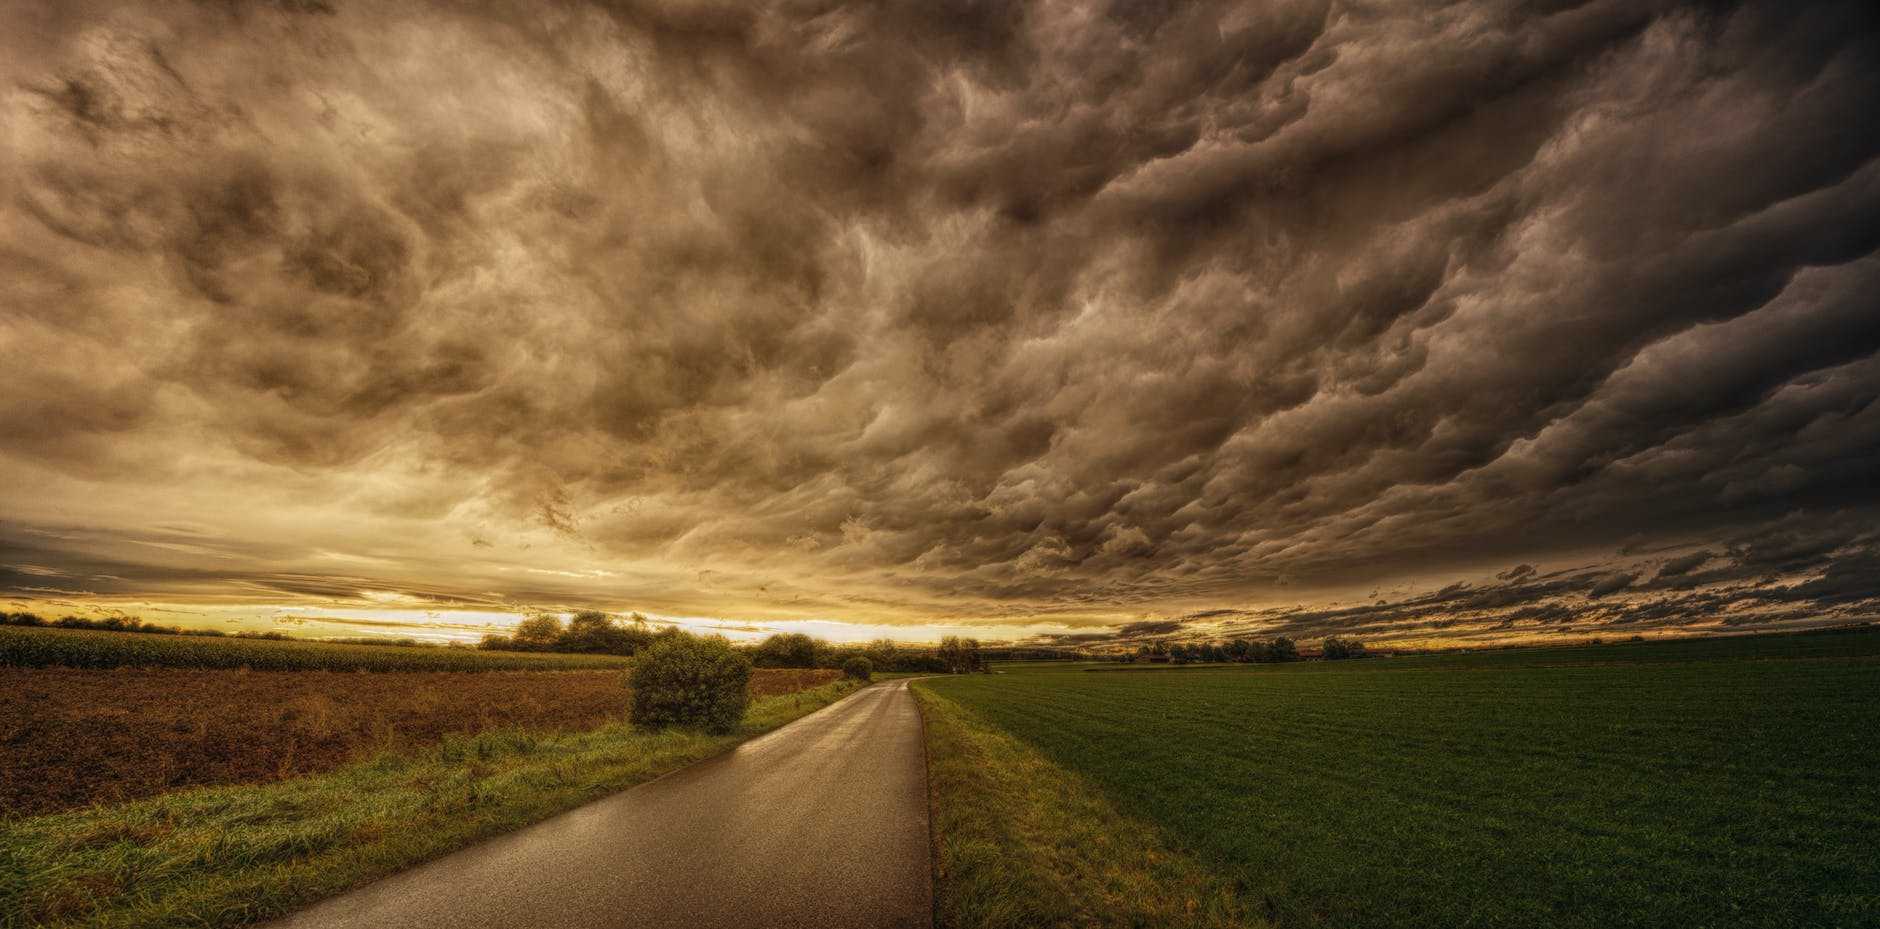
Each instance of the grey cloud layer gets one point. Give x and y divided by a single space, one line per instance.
967 309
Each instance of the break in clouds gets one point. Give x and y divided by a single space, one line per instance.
1402 319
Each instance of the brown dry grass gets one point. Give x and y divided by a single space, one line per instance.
70 737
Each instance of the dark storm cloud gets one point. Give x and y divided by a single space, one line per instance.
962 310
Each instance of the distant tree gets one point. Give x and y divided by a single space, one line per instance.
961 656
688 681
859 668
588 631
1236 650
496 643
537 633
594 632
785 650
880 653
1337 649
1282 649
950 653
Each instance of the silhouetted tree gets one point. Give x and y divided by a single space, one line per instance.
1282 649
1337 649
880 653
537 633
961 656
595 632
785 650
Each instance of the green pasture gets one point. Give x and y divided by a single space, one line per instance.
1725 782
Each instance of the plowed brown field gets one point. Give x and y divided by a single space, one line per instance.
72 737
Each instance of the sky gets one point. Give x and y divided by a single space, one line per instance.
1044 321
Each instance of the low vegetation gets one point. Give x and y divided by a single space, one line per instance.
28 647
229 856
1020 842
72 737
1725 782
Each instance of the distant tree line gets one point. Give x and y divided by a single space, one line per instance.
594 632
591 632
128 624
796 650
1280 649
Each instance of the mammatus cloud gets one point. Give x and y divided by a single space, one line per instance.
944 312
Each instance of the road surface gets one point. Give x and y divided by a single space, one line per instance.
820 823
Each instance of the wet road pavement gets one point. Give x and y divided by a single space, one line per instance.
820 823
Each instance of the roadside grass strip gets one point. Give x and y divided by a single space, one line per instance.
230 856
1021 842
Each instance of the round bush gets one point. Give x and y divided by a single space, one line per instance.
689 681
859 668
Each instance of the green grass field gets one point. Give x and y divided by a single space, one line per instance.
1706 783
31 647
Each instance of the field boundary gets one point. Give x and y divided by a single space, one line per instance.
41 647
1019 841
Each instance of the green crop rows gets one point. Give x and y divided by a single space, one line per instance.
77 648
1663 784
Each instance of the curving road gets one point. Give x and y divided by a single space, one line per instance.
820 823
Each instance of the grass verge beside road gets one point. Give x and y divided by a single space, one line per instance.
1021 842
229 856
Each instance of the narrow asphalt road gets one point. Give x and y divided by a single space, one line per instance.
820 823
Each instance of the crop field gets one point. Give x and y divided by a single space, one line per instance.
24 647
1593 787
74 737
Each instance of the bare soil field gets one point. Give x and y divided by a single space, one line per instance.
71 737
